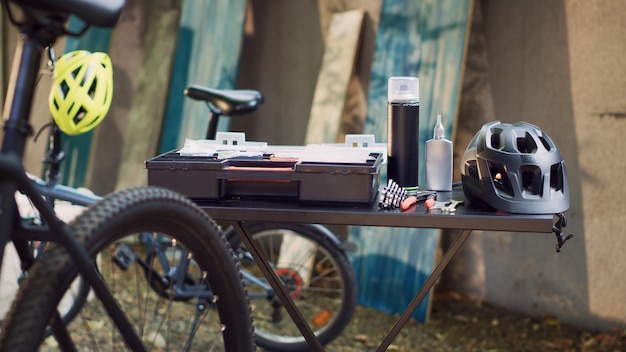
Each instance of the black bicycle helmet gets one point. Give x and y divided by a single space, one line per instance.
515 168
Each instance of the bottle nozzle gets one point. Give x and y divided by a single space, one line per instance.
439 132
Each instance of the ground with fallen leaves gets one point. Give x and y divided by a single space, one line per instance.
461 324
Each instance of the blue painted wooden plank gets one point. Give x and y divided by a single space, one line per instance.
210 37
427 39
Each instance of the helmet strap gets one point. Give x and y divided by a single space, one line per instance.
557 229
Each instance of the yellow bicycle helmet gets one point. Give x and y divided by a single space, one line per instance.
82 91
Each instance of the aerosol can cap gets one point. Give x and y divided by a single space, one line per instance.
401 89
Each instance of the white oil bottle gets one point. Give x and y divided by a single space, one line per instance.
438 153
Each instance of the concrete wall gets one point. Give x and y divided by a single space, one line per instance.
597 49
560 65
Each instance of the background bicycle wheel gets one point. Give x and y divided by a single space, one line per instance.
11 265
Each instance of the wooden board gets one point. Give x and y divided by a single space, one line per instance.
331 92
338 61
209 44
8 39
126 52
427 39
146 114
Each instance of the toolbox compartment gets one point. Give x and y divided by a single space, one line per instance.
206 178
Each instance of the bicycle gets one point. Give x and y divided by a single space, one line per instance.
156 318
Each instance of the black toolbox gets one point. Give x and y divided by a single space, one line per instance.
209 178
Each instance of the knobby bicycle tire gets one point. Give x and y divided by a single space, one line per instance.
11 276
78 297
10 282
221 323
327 298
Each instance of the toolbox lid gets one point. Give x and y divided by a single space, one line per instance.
174 161
370 166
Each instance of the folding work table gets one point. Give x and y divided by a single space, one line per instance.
464 219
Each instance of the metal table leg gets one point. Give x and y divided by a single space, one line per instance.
280 290
434 276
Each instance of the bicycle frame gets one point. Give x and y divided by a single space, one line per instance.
16 131
37 34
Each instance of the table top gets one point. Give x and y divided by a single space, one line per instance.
465 217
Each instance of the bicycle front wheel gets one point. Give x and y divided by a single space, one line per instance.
201 305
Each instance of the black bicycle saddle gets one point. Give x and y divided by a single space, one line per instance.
229 102
100 13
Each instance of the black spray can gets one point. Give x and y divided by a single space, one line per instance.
403 112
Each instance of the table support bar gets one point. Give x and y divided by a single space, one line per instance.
434 276
279 289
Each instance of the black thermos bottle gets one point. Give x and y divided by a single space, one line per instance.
403 112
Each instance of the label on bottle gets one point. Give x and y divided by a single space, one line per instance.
438 153
403 142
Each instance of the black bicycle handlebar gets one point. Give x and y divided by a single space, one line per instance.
101 13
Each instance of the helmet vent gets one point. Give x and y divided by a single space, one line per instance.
64 87
545 143
500 178
472 169
79 115
531 179
526 144
496 139
92 87
556 177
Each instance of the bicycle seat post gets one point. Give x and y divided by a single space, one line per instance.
214 117
54 156
16 127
